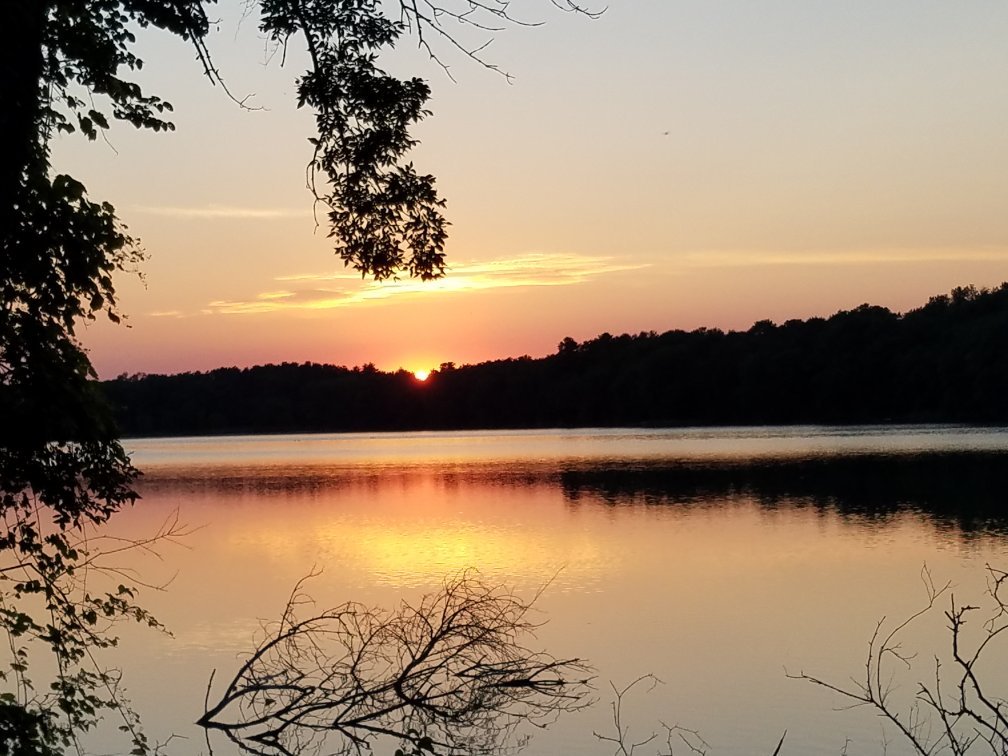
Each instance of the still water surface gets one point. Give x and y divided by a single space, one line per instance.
715 559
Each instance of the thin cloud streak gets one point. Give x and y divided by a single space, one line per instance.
533 270
755 259
217 212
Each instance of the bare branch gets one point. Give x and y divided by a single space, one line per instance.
451 672
943 716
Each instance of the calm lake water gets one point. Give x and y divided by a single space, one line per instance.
715 559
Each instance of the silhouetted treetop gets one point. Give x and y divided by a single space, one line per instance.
943 362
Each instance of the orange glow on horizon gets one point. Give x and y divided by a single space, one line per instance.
421 375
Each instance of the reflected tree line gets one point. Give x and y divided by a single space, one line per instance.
943 362
964 491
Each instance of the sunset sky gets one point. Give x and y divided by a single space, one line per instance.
669 165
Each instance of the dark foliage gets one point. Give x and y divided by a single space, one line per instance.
62 473
943 362
68 66
385 217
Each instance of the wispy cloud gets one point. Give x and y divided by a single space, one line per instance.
216 212
166 314
760 258
330 290
271 301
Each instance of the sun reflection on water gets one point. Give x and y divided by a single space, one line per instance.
712 580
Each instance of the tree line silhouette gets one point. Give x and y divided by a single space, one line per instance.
943 362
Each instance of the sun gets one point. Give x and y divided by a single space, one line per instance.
421 375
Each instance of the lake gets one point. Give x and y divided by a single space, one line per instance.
718 560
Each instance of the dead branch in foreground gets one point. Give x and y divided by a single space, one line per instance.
675 735
951 713
450 674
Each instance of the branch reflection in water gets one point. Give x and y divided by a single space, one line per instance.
451 674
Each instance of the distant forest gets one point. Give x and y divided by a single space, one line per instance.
944 362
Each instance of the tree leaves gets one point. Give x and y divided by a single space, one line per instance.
385 218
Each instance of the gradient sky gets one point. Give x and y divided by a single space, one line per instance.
669 165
